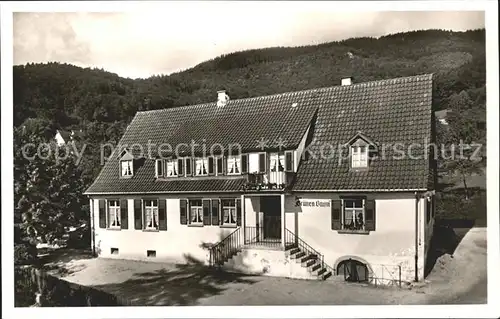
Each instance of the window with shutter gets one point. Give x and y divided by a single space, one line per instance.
220 169
289 161
357 214
102 213
207 219
189 167
336 214
211 166
215 212
262 163
137 214
244 163
370 214
114 219
162 214
180 167
238 212
183 211
124 213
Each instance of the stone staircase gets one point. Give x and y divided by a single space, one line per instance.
310 262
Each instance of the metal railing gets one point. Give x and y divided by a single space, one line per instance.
292 241
225 249
255 236
356 271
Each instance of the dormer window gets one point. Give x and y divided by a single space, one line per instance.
126 164
127 168
360 149
359 156
172 168
234 165
201 166
159 168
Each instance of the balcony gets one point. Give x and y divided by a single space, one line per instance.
269 181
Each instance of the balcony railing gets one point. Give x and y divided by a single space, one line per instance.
278 180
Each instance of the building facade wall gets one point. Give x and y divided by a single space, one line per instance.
390 246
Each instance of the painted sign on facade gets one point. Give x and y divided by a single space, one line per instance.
300 202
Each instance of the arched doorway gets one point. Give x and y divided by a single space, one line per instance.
353 270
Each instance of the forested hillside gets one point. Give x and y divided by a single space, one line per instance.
102 103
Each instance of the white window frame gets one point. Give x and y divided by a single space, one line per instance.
354 213
114 213
171 168
216 159
127 171
162 165
233 218
359 156
198 210
276 158
236 161
151 208
203 161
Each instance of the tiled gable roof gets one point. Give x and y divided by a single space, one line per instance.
388 111
391 112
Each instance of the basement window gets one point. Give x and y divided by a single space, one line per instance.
114 251
151 253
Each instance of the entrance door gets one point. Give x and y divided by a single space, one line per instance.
271 207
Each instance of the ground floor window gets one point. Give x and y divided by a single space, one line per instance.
354 214
151 213
114 213
195 212
229 211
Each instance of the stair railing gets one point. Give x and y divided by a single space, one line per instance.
225 249
292 239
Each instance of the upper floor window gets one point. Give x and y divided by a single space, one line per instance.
172 168
159 168
277 162
359 156
127 169
201 166
233 165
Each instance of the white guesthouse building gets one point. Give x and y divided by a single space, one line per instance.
315 187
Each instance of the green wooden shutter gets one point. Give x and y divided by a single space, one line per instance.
238 212
336 214
162 214
244 163
183 211
137 214
124 213
289 161
262 163
211 166
102 213
370 214
215 212
206 212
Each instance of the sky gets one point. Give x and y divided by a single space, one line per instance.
142 43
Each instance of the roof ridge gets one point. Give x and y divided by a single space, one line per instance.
319 89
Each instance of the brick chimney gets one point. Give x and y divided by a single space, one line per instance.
346 81
222 98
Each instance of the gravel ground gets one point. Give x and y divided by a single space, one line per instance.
457 279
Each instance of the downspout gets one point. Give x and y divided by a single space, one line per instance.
92 225
416 236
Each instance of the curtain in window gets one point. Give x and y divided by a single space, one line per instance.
126 168
281 161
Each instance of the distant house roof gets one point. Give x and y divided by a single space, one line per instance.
64 134
388 111
441 115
